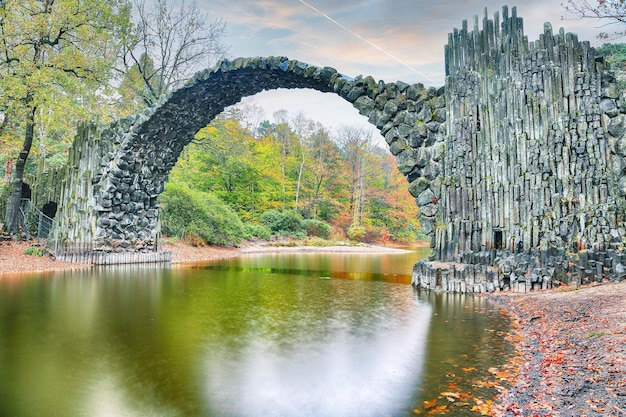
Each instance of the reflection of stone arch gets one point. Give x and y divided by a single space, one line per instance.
133 157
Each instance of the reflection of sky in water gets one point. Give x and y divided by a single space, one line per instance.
268 337
371 370
105 399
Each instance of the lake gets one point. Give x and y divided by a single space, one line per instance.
259 335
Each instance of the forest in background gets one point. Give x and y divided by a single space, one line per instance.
63 62
291 178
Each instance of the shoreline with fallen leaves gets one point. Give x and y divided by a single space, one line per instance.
572 342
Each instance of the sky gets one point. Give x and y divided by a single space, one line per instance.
390 40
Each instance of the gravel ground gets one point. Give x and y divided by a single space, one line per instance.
14 261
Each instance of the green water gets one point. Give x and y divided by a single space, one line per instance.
279 335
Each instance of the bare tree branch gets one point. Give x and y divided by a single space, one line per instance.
169 45
609 11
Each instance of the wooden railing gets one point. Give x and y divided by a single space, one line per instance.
83 252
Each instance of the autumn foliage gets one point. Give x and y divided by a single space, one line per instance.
345 182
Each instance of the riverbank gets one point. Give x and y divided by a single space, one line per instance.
13 260
573 342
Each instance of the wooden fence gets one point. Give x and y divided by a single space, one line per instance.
83 252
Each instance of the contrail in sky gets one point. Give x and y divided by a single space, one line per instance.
365 40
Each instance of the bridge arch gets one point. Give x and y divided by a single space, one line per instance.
134 156
519 162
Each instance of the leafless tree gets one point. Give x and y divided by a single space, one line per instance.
609 12
357 145
167 45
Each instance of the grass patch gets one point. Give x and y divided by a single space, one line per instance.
33 251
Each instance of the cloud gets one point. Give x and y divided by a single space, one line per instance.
414 31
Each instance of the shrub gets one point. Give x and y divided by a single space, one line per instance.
198 217
282 222
33 251
316 228
251 230
356 232
300 235
373 234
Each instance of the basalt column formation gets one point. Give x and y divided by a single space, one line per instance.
532 186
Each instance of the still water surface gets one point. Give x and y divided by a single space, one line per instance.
270 335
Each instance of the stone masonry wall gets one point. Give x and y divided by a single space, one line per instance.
116 173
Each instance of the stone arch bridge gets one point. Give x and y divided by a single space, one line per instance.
113 200
517 164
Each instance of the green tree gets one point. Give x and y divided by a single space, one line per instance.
51 49
228 161
270 160
615 54
226 157
133 92
324 173
284 137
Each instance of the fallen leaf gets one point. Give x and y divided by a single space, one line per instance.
451 396
430 404
438 409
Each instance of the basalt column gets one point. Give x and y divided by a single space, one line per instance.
533 160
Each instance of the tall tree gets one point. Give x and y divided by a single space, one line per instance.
52 48
391 207
252 115
284 137
303 129
324 169
357 146
169 43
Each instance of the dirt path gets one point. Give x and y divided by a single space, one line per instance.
574 348
13 260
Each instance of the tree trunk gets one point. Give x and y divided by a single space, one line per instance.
299 181
316 195
13 205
